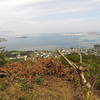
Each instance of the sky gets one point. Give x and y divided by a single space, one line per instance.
36 17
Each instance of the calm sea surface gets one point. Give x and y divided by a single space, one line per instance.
51 42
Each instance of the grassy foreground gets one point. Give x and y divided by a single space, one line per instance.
43 79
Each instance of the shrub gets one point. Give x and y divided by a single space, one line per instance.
2 59
40 80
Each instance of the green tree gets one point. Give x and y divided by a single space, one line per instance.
2 58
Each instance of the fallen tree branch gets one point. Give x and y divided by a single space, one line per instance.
78 69
3 75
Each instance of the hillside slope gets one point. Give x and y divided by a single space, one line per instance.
43 79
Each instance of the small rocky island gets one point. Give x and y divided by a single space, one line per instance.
22 37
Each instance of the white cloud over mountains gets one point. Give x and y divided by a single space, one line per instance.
32 17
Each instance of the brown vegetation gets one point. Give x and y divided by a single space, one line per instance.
43 79
40 66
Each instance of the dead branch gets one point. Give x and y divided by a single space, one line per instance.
78 69
3 75
81 59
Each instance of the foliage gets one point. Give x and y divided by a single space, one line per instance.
40 80
29 69
89 95
46 79
2 59
92 64
73 57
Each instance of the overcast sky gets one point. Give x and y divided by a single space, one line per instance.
35 17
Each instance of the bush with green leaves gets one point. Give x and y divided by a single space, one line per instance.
92 63
2 59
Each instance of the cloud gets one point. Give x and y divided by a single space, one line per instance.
22 17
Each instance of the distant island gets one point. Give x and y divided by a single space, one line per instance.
22 37
3 39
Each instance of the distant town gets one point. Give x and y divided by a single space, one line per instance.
33 54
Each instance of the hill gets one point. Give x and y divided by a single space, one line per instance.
46 79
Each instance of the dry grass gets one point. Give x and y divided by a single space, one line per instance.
52 88
44 79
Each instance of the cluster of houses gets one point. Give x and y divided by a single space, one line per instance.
45 53
13 55
18 57
93 51
32 55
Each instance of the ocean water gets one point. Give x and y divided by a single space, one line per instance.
50 42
